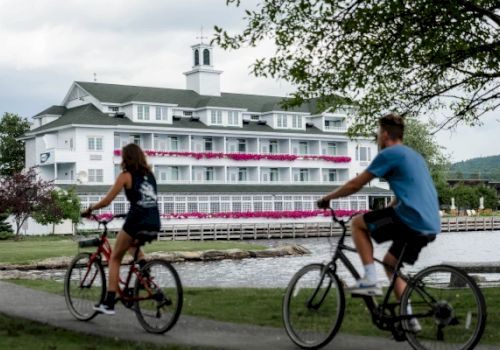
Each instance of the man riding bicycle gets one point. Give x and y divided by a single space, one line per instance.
412 218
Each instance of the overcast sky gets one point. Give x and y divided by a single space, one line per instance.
48 44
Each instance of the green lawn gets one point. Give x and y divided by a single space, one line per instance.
35 249
18 334
263 307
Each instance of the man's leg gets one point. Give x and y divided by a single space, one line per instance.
390 262
364 246
362 240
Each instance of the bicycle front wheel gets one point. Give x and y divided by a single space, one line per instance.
449 307
159 291
84 286
313 306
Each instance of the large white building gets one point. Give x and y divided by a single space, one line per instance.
211 151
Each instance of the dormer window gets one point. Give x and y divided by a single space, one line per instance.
233 118
297 121
254 117
161 113
142 112
113 109
216 118
282 121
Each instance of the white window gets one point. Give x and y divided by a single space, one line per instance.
274 174
331 148
364 154
174 173
143 112
95 175
117 141
303 147
304 175
255 117
174 143
332 175
216 118
282 121
209 174
242 145
242 174
135 139
161 113
95 143
273 146
233 118
113 109
297 121
208 144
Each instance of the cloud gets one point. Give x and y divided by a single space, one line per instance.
48 44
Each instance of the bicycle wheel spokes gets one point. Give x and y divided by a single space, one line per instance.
159 312
449 307
313 307
84 286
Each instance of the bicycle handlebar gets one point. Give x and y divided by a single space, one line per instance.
105 220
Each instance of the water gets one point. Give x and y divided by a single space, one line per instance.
276 272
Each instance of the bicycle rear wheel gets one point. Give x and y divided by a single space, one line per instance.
454 307
162 287
313 306
84 286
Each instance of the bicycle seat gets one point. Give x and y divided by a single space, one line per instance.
146 236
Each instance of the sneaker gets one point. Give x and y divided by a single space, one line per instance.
414 326
104 309
365 287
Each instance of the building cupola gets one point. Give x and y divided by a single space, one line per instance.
203 78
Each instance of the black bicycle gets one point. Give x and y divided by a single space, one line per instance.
446 303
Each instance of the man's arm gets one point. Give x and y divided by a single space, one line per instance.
350 187
393 202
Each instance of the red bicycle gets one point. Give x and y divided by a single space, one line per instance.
154 292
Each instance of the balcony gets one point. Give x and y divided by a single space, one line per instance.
56 155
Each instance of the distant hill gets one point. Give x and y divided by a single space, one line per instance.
487 168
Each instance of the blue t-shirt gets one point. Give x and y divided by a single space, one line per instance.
411 182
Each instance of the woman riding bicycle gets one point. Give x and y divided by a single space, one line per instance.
140 189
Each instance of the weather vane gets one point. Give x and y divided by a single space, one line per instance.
201 37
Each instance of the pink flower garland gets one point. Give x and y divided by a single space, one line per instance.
291 214
242 156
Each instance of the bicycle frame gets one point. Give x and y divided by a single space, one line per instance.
104 249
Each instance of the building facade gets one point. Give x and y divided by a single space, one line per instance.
212 152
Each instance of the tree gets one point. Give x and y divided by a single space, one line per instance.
405 56
22 194
465 196
5 227
418 137
63 205
490 196
12 126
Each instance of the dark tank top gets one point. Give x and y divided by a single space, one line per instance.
143 213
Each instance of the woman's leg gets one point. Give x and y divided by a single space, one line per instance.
140 255
122 244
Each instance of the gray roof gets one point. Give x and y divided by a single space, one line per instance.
114 93
90 115
52 110
236 189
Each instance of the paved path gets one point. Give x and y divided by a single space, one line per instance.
51 309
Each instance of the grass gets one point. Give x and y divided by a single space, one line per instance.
263 307
30 250
19 334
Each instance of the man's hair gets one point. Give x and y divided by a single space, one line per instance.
394 125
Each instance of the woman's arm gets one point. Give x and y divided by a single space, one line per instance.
121 181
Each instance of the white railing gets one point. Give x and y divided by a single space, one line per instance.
336 128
